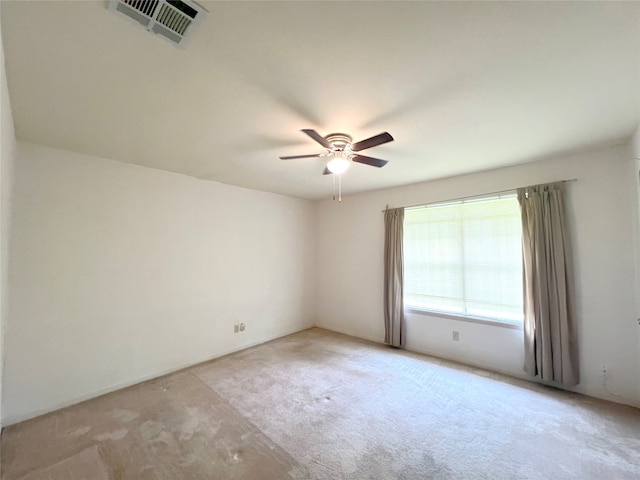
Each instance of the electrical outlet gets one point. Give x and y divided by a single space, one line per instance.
455 336
236 328
606 375
242 327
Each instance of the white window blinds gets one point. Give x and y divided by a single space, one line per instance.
465 258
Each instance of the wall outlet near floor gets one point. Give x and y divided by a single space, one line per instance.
605 370
236 328
455 336
242 327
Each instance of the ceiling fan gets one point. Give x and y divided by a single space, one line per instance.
340 150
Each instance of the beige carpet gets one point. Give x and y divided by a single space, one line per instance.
87 464
319 405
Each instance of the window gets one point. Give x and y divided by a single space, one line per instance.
465 258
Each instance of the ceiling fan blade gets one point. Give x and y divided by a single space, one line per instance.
291 157
372 142
326 171
317 137
374 162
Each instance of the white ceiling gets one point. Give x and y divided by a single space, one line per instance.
461 86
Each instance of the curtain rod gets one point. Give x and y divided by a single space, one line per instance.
570 180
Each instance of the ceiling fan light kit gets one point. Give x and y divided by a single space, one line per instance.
340 151
338 164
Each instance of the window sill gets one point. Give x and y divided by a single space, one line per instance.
483 321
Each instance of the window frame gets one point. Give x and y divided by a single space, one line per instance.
513 324
425 311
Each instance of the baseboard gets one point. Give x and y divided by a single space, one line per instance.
5 422
609 397
350 333
114 388
488 367
438 355
473 364
523 376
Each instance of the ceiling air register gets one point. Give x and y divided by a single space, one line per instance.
175 20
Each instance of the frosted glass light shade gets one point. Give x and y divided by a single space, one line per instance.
338 164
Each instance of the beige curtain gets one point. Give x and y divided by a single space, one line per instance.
394 329
551 344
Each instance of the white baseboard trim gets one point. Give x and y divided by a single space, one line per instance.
523 376
473 364
491 368
351 334
5 422
11 420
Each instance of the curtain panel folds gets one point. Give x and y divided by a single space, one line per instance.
394 328
550 337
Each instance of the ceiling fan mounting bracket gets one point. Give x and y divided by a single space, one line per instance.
338 140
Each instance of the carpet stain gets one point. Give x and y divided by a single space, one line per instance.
123 415
114 435
77 432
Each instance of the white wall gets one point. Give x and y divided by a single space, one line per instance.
350 269
122 273
7 153
635 180
634 176
635 144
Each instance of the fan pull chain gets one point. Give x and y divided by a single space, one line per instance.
334 186
339 187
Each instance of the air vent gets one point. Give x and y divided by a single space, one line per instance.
175 20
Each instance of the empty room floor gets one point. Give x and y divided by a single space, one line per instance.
320 405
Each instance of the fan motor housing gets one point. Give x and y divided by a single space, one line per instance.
339 140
